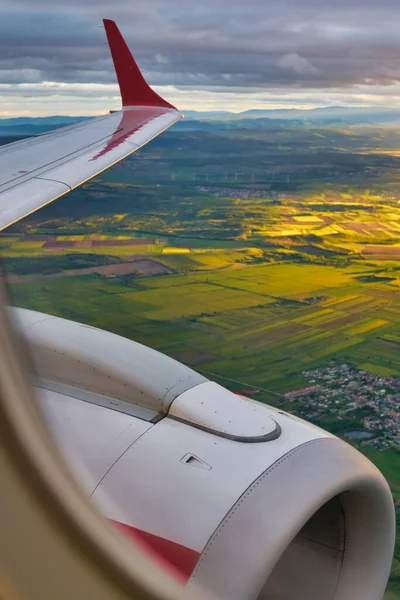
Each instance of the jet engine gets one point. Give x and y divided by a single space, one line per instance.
235 498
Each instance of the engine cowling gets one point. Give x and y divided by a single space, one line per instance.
249 502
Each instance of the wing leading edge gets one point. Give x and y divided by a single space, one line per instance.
36 171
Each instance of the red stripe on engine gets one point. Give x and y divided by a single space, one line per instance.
178 559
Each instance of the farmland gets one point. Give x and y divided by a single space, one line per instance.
250 251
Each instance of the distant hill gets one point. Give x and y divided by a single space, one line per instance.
216 114
56 120
334 116
330 113
211 125
327 115
26 126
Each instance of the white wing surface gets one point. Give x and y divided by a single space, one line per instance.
36 171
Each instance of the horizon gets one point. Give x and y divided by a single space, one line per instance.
206 112
90 106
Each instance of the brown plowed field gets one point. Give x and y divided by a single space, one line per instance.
141 266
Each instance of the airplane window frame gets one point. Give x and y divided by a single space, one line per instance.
100 561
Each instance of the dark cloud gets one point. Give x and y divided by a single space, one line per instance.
221 43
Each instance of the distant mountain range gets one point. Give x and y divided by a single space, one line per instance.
249 119
24 126
362 115
56 120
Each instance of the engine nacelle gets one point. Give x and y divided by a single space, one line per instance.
249 502
316 524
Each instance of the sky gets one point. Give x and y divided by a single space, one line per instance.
208 55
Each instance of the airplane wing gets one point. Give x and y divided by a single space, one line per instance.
36 171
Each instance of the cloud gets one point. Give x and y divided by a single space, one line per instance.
297 63
162 60
220 46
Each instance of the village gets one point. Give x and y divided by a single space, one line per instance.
364 405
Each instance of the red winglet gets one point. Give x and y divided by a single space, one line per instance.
135 91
